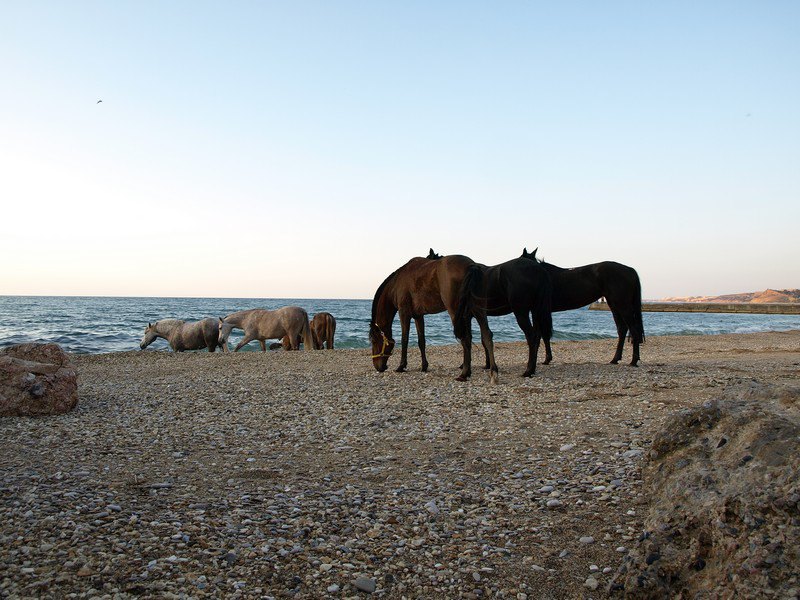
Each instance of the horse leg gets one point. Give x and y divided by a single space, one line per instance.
405 328
420 324
245 340
263 345
487 339
548 354
524 322
622 331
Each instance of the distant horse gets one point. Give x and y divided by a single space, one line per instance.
259 324
579 286
323 328
420 287
184 336
517 286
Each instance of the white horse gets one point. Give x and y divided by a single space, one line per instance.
184 336
259 324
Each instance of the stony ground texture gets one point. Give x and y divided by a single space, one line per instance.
309 475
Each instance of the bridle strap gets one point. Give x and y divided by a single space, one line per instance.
385 345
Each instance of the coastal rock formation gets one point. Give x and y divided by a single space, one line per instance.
725 515
36 379
765 297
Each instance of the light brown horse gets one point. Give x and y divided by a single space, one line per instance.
420 287
184 336
260 324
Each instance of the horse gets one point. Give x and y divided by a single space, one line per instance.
184 336
579 286
517 286
260 324
323 327
420 287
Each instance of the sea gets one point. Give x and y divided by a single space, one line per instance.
92 325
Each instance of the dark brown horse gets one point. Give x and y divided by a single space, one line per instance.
580 286
420 287
518 286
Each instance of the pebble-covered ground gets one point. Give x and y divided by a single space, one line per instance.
310 475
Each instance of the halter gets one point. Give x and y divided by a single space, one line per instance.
385 345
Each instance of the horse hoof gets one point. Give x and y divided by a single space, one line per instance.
493 377
546 361
633 364
614 362
400 370
424 368
528 374
461 378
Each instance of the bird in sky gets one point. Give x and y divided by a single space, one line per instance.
98 102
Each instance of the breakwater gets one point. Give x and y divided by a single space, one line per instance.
713 307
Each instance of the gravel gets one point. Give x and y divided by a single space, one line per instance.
309 475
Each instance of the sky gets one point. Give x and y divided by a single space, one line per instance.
308 149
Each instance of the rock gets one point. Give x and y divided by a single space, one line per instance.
591 583
333 588
713 514
365 584
36 379
553 503
566 447
587 539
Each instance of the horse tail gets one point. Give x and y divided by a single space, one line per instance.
330 330
466 300
308 338
637 328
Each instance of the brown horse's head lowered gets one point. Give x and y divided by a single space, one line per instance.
382 346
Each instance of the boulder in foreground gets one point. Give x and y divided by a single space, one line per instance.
724 520
36 379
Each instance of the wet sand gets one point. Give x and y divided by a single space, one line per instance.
300 474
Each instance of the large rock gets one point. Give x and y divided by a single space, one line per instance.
724 521
36 379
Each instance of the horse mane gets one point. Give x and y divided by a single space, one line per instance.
378 294
172 322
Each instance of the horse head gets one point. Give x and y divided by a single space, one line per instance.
150 335
224 332
382 347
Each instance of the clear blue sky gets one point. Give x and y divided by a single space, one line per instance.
303 149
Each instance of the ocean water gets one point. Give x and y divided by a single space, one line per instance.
102 324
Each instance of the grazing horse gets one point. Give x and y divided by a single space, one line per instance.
323 327
184 336
420 287
517 286
259 324
579 286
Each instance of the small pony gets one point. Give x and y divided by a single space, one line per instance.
184 336
260 324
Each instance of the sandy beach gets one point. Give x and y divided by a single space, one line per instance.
310 475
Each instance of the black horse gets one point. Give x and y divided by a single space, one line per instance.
519 286
580 286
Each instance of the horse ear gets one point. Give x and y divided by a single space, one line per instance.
534 251
221 320
524 252
148 324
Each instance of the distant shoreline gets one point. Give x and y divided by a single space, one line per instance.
714 307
